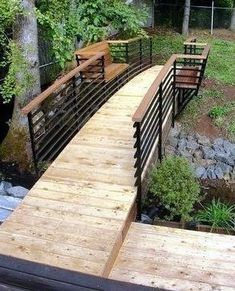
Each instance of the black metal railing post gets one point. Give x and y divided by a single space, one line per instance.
127 53
138 174
141 52
160 123
174 94
31 133
151 50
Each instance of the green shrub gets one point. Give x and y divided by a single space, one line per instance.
218 111
174 185
217 214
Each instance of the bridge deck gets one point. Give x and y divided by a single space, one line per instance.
76 215
176 259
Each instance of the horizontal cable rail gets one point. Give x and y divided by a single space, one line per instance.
57 114
176 84
40 98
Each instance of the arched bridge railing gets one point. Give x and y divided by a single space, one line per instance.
177 83
59 112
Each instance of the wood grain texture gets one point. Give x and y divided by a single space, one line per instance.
176 259
78 213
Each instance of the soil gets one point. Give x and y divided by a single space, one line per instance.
10 172
203 124
225 34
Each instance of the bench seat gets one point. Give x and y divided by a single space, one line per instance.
111 70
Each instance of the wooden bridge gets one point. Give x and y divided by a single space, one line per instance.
79 217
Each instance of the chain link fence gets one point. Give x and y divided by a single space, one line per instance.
202 17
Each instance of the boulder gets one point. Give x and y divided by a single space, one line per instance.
208 153
3 187
9 203
17 192
200 171
203 140
224 158
4 213
218 172
146 219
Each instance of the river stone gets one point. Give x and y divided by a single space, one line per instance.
182 144
203 140
221 157
211 172
9 203
17 192
219 142
146 219
208 153
200 171
4 213
3 187
173 141
229 148
197 155
224 167
192 145
218 172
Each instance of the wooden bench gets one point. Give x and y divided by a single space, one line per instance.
111 70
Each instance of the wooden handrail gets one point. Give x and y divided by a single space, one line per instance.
195 43
41 97
141 110
143 107
124 41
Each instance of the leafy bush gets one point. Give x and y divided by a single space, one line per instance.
173 184
217 214
218 111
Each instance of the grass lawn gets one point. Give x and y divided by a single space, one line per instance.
213 111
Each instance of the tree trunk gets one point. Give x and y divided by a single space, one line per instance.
17 147
232 25
185 27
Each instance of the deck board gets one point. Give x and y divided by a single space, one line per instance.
176 259
77 214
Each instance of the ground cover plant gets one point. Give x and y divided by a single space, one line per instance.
212 113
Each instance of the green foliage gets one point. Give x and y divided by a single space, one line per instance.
221 66
218 111
17 65
166 45
217 214
98 17
173 184
59 23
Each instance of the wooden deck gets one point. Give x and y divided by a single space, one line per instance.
77 214
176 259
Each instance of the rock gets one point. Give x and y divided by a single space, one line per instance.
3 187
173 141
9 203
203 140
229 148
192 145
4 213
218 172
153 212
208 153
219 149
211 172
222 157
197 155
218 142
146 219
206 163
169 151
175 131
224 167
200 171
182 144
17 192
187 155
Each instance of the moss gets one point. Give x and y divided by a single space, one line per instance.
16 148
